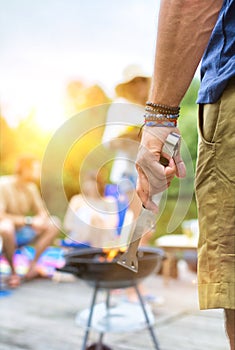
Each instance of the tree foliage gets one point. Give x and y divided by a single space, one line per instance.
27 137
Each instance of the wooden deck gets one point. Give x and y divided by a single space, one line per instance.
40 315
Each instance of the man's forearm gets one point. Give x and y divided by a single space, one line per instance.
184 30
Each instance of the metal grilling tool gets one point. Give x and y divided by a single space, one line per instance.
146 220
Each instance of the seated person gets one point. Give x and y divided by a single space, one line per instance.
23 218
91 218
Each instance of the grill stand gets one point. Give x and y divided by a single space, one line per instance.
91 310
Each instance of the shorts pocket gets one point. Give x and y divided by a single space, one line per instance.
209 115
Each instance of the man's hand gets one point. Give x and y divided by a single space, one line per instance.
153 177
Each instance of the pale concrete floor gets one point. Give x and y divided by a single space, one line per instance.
40 315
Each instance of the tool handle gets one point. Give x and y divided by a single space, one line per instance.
129 258
170 147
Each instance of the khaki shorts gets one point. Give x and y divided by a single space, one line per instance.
215 190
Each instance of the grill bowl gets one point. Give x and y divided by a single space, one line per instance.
87 264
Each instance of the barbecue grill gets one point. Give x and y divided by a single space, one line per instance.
92 266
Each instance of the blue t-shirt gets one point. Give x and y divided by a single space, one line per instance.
218 62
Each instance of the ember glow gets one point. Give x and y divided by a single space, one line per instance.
111 253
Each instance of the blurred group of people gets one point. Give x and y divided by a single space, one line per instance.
92 217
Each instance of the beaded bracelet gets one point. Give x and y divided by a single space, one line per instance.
161 115
161 110
164 107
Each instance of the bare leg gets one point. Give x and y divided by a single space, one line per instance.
230 326
44 239
7 232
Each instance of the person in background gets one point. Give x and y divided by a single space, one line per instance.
189 31
91 219
23 218
121 134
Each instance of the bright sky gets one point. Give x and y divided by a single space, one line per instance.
47 43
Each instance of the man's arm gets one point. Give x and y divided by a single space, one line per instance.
184 30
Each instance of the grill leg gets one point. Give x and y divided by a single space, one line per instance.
147 318
99 345
90 318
